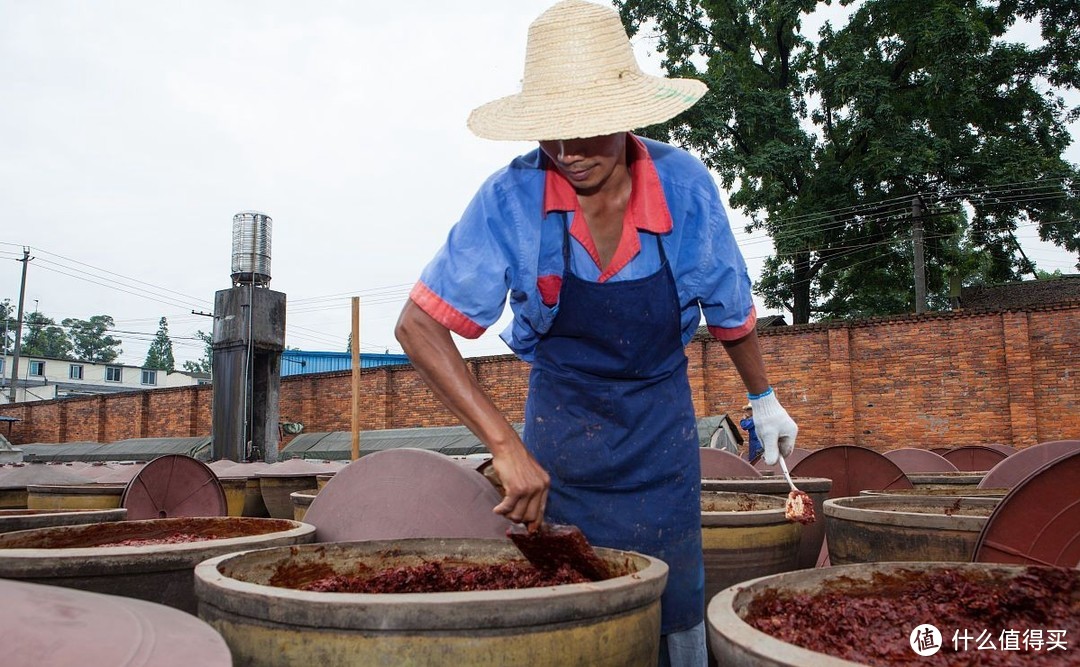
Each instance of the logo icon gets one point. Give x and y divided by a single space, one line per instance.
925 640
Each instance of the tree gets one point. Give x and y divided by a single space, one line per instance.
43 338
832 144
7 327
206 364
90 339
160 354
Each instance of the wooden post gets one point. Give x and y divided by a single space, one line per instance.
355 378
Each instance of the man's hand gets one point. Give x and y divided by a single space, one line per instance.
526 486
775 428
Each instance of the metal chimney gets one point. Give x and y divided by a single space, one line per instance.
251 248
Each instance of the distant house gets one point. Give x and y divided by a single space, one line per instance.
1021 294
45 379
300 362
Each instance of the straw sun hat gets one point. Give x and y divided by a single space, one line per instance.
582 80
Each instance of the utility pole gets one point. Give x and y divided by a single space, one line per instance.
18 324
920 263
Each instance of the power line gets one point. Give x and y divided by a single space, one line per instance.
137 280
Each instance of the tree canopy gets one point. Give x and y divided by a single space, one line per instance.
836 143
206 363
42 337
160 354
7 326
90 340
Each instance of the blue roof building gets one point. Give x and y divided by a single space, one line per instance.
300 362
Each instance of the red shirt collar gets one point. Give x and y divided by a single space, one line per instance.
646 211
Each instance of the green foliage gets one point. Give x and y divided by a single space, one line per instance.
42 337
90 340
826 140
160 354
7 326
206 364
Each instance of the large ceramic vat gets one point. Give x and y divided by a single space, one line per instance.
253 501
614 622
15 478
301 501
939 491
745 536
738 643
960 481
235 489
279 481
73 497
817 487
12 520
868 529
72 556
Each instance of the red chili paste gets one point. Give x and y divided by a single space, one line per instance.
439 577
871 622
176 538
799 507
557 546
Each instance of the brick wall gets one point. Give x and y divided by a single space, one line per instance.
925 381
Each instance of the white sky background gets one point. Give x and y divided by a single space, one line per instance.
132 131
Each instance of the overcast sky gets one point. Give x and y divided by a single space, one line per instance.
132 131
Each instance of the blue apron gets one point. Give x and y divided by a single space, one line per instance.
610 417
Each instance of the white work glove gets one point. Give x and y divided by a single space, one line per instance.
775 428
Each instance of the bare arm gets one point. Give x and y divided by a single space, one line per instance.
775 427
745 354
439 362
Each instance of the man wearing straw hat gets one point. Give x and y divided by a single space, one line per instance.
610 248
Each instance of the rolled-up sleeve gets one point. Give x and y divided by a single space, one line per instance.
726 298
464 287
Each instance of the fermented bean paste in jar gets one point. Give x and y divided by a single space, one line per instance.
870 621
440 577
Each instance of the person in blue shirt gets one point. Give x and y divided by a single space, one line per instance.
609 249
747 424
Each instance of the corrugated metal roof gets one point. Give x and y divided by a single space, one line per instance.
137 449
300 362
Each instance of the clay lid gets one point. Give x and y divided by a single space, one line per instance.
399 493
975 458
50 625
1036 523
1012 470
296 468
174 485
722 463
246 469
913 460
19 477
97 469
222 468
792 459
119 474
852 469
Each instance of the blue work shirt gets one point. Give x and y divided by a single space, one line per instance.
754 445
509 242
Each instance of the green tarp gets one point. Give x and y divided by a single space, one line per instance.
337 445
137 449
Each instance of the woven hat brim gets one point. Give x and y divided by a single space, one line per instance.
632 102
